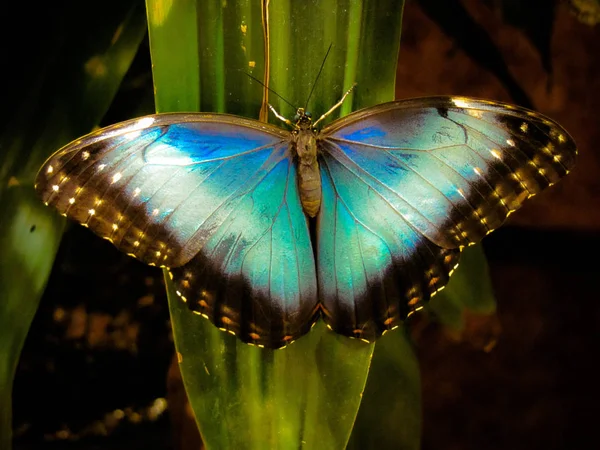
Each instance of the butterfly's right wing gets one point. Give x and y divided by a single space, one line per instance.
407 185
212 197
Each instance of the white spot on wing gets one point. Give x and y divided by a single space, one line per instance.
460 103
145 122
496 153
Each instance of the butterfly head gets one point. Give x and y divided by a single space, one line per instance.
303 119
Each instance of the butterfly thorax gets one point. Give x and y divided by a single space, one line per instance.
304 141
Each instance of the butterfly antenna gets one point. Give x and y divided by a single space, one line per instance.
318 75
271 90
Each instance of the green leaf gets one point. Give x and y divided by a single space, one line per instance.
244 397
306 395
390 414
74 89
28 237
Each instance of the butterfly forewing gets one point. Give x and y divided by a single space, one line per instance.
408 184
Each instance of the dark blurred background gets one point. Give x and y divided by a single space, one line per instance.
94 373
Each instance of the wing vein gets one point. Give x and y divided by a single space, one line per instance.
341 200
245 190
414 208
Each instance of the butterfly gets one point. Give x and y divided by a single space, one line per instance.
264 230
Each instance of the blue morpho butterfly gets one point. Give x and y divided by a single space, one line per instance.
264 230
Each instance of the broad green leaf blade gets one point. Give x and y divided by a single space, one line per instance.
28 237
197 65
74 89
365 40
470 289
390 414
307 395
246 397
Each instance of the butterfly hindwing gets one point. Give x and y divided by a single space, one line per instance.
407 184
255 275
374 266
213 197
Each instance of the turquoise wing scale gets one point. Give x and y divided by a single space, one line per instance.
408 184
212 197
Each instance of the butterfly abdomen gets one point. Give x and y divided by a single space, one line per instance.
309 183
309 177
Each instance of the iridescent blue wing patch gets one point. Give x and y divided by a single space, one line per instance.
408 184
214 198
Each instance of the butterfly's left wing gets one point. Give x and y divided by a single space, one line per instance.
212 197
408 184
